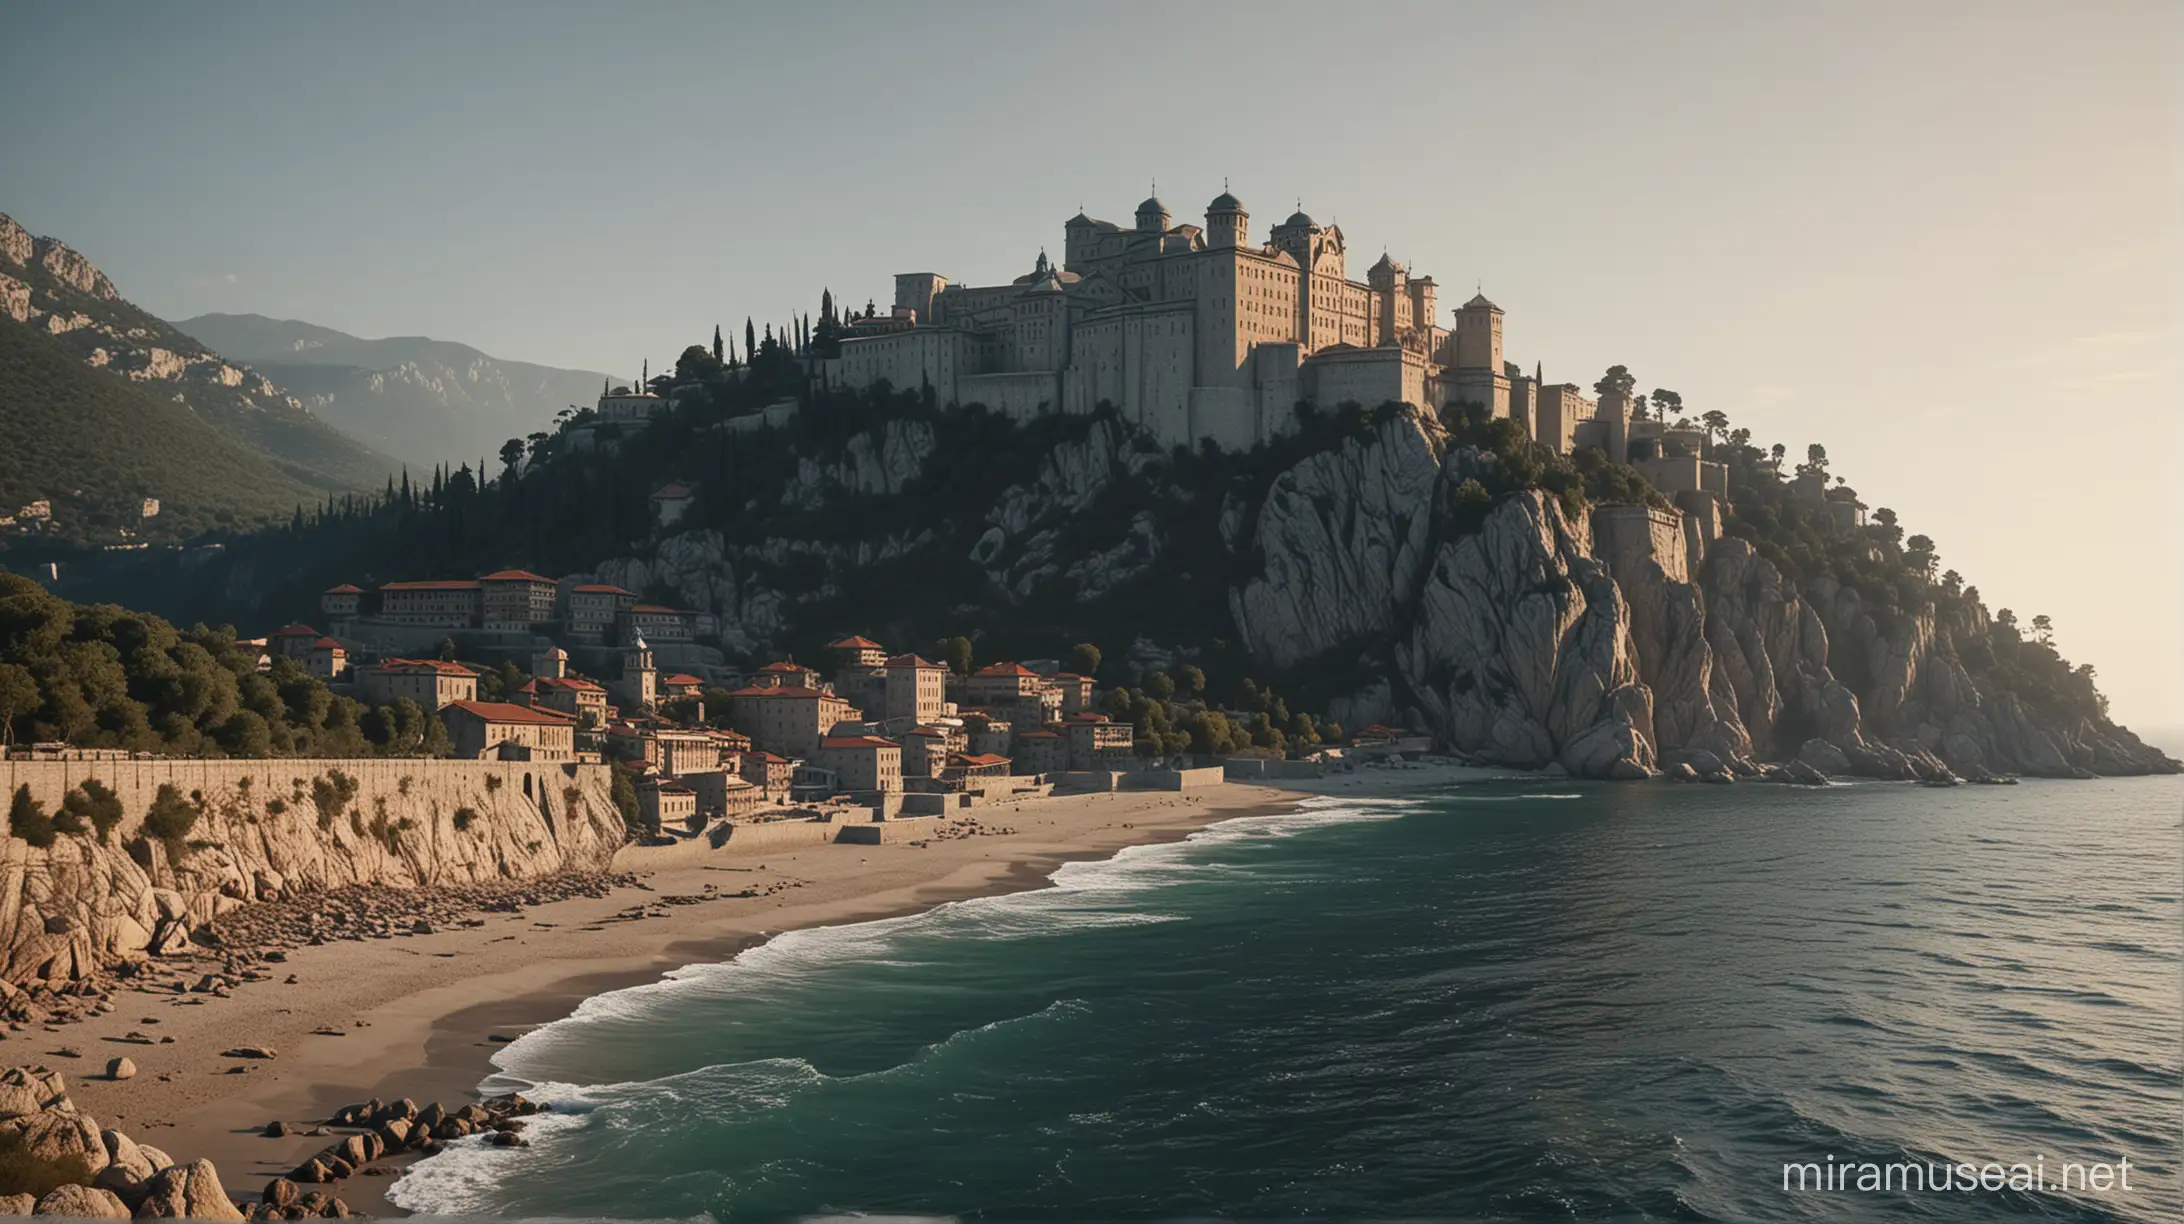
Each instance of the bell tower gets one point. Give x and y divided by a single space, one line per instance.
1478 335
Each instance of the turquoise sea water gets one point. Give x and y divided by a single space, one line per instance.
1497 1002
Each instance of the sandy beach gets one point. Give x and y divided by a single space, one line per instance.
417 1016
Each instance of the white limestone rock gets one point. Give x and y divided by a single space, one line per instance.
1344 538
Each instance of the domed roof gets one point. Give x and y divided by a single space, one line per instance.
1153 204
1299 218
1225 203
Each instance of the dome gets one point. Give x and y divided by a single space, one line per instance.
1299 218
1152 204
1225 203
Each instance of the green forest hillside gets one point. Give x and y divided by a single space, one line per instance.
104 405
97 445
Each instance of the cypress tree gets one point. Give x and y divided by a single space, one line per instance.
750 340
716 342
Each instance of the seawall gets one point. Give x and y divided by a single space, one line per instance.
261 829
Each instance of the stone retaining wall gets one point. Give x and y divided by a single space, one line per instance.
268 828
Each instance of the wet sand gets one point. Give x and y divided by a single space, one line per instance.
417 1015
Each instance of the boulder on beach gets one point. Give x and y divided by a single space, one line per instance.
188 1192
120 1069
86 1203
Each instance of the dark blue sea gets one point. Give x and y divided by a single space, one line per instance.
1502 1001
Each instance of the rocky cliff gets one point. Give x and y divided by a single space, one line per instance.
1616 641
240 831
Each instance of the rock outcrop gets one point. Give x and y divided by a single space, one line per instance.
105 1175
1602 644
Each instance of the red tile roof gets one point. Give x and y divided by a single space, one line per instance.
515 576
907 661
977 759
855 643
503 712
857 741
681 678
343 589
572 683
1005 669
658 608
326 643
1038 735
296 630
601 588
769 758
782 691
783 666
433 584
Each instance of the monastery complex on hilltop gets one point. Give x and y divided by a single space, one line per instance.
1199 333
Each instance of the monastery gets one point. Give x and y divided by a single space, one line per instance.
1194 332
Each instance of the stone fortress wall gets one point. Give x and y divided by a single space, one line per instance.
272 828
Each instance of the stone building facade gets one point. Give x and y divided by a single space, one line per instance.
1193 332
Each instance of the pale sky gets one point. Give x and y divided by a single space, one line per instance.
1943 239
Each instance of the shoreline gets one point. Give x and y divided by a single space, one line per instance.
416 1018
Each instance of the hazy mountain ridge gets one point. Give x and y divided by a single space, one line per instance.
103 405
422 399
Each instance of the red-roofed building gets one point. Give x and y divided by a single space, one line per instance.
862 762
925 750
571 695
341 603
327 659
1023 692
785 675
667 805
788 719
1076 691
1097 743
681 684
858 652
972 769
431 683
768 772
593 608
517 599
1039 752
443 604
916 688
292 642
484 729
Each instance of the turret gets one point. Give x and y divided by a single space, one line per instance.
1478 335
1152 216
1227 224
